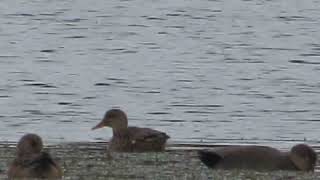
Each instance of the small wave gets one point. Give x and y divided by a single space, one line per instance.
198 112
158 113
75 37
155 18
197 105
303 62
64 103
173 120
48 50
43 85
310 54
102 84
21 14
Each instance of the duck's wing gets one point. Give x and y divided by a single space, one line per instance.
147 134
242 157
43 163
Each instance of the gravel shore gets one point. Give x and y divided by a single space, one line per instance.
90 161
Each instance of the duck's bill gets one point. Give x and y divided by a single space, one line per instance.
98 126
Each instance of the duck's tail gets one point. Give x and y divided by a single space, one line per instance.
43 162
210 159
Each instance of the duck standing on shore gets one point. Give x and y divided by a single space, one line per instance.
32 162
131 139
300 158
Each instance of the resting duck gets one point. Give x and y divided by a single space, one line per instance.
31 162
131 139
301 157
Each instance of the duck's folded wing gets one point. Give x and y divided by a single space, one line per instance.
147 134
40 162
242 157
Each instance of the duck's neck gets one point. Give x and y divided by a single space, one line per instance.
119 131
285 162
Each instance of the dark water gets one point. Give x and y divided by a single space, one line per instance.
203 71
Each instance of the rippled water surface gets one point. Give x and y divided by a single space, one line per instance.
203 71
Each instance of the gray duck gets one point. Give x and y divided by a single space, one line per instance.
131 139
301 157
32 162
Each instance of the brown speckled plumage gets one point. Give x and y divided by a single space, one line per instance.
31 162
131 139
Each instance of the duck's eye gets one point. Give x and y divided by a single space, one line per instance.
111 116
33 143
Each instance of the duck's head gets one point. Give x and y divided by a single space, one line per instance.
29 144
304 157
114 118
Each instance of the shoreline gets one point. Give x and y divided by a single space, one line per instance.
281 144
90 161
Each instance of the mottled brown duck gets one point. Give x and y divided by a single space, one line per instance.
301 157
32 162
131 139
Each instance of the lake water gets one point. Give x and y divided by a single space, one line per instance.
238 71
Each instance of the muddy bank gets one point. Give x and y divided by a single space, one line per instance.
90 161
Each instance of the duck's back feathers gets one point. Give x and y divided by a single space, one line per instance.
147 134
135 139
247 157
35 166
42 163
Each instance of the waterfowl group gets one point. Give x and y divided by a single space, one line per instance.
32 162
301 157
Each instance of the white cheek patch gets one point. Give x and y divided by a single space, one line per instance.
133 141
